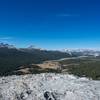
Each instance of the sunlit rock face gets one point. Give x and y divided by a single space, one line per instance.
48 87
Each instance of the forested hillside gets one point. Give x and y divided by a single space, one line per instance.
12 58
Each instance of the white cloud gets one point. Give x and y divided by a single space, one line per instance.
5 38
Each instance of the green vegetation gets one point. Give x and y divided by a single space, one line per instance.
34 69
88 67
12 59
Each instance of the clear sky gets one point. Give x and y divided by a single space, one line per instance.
51 24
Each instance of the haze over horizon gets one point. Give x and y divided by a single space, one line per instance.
50 24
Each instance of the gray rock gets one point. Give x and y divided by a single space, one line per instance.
48 87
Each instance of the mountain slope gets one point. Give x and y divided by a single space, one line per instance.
12 58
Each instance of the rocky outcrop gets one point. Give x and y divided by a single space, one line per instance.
48 87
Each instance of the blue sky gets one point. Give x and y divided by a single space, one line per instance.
50 24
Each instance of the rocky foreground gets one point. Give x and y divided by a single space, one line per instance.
48 87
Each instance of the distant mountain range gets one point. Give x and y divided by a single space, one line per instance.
69 52
82 52
5 45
